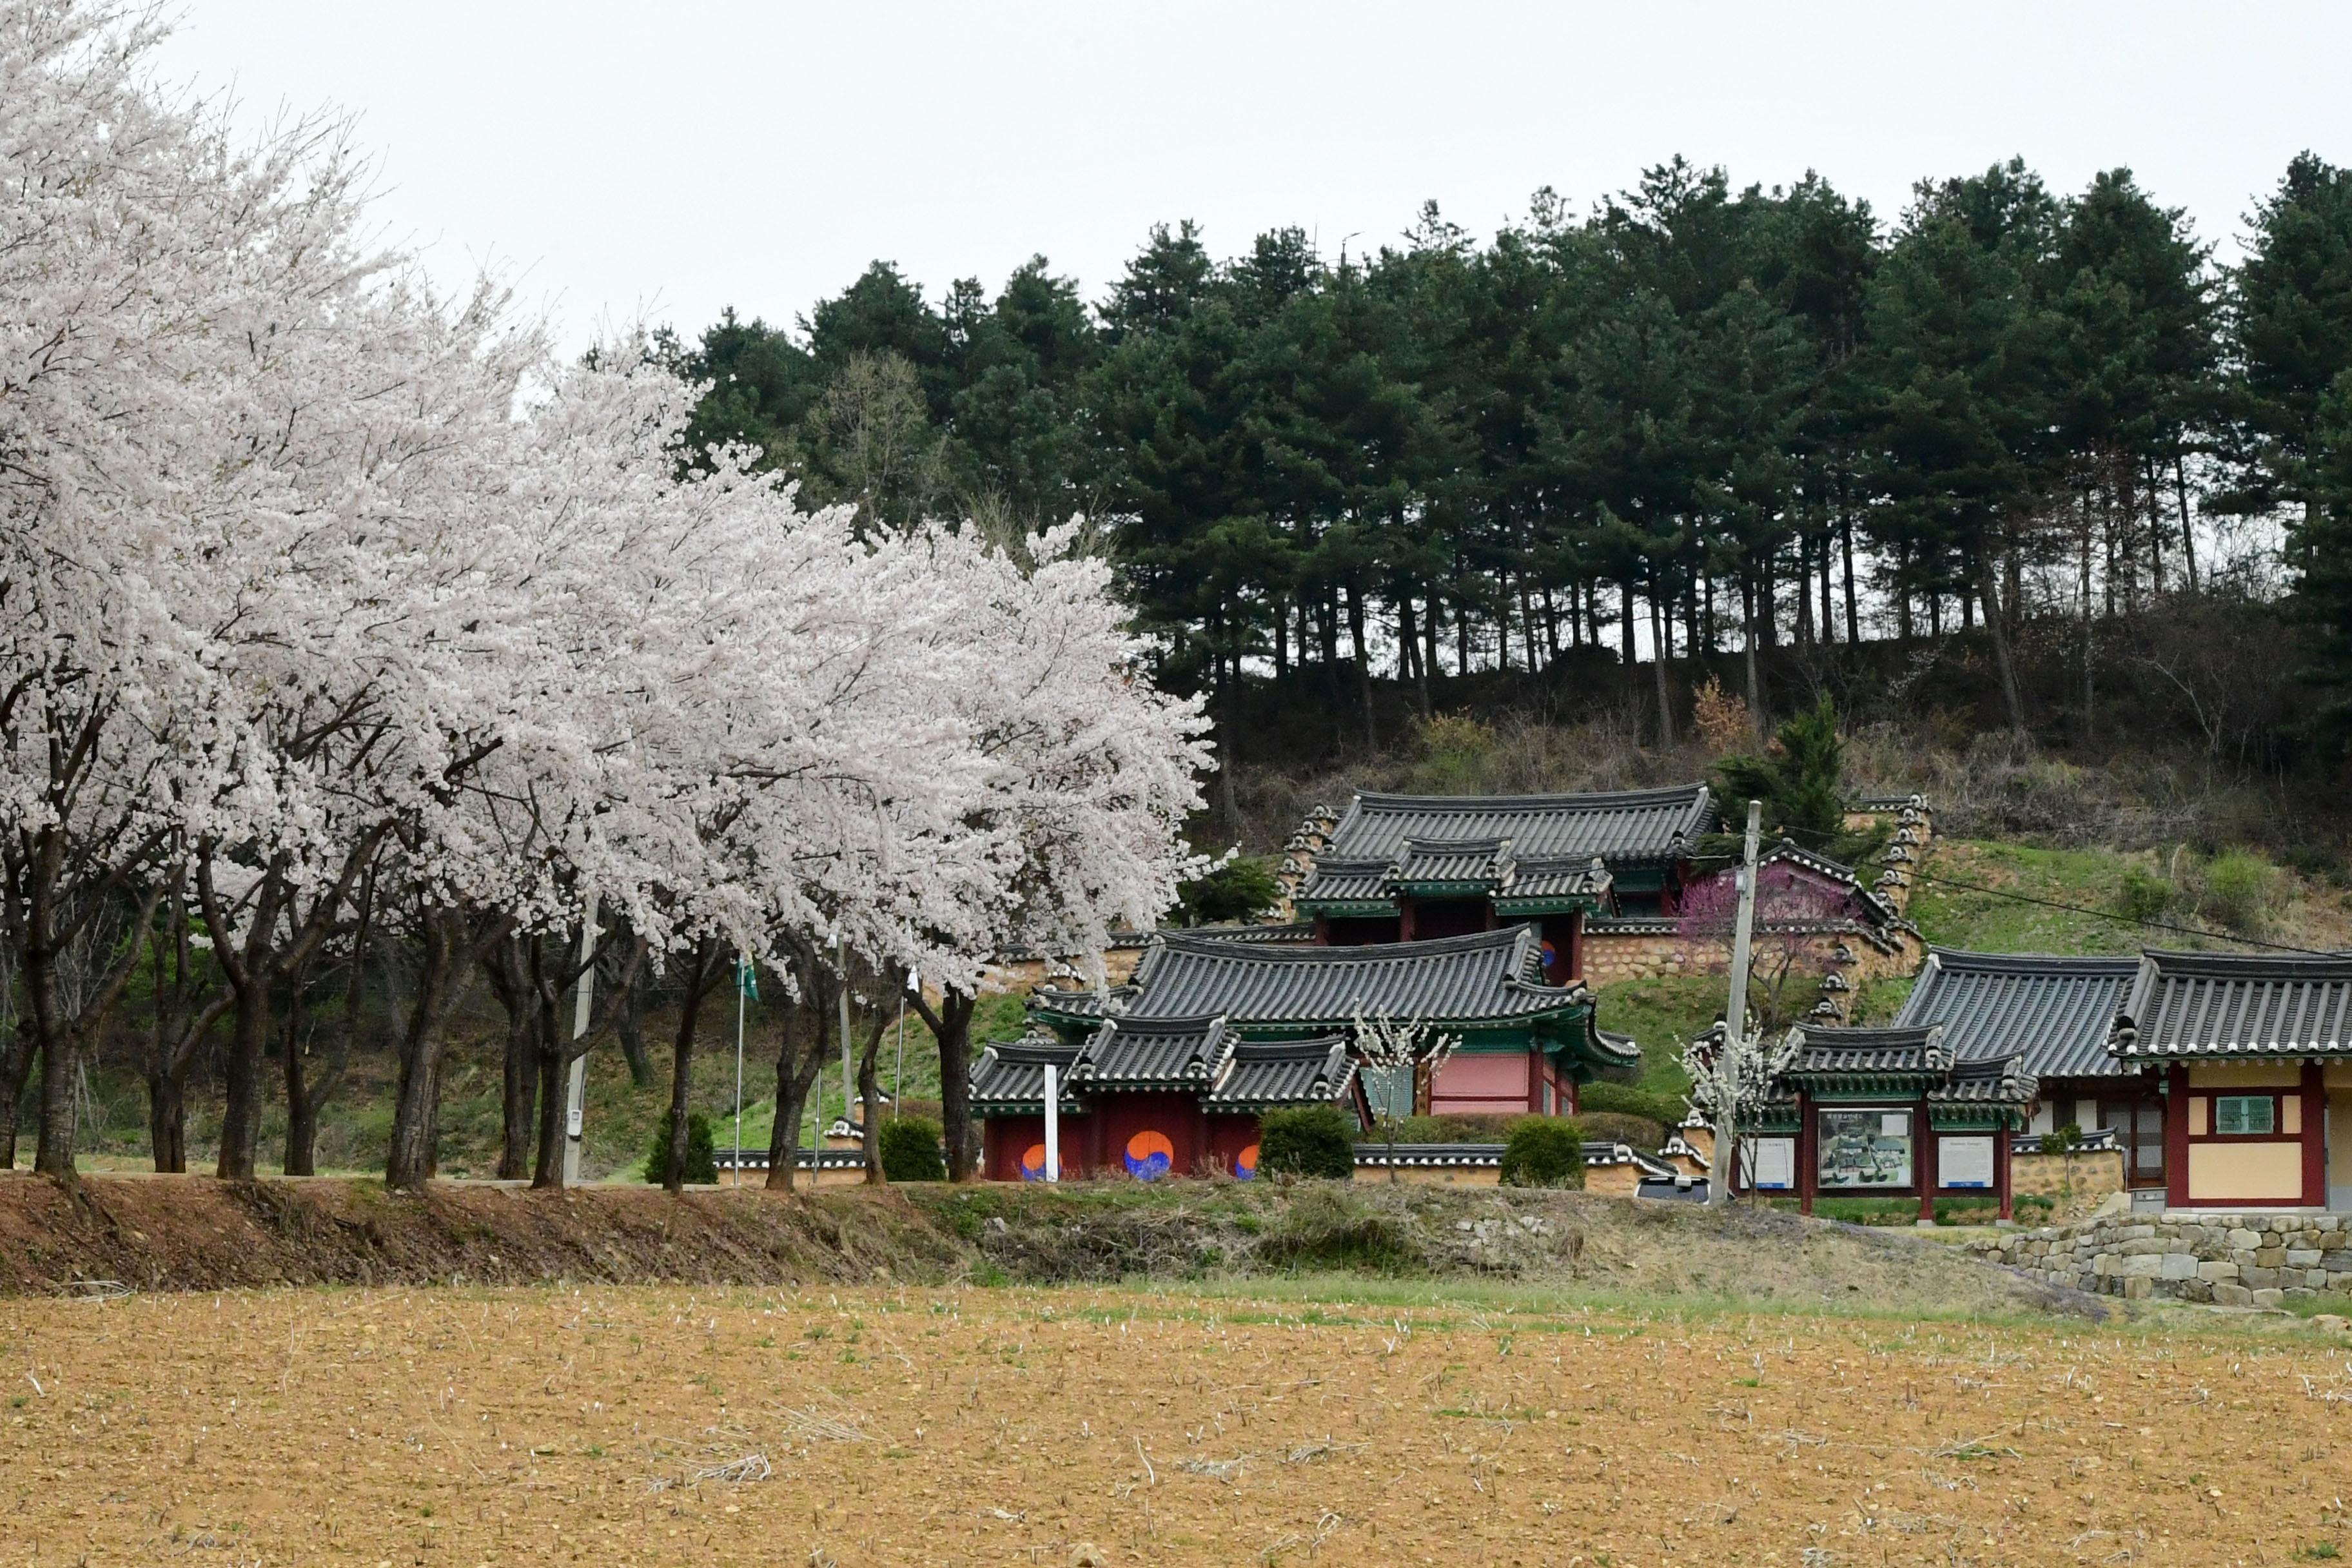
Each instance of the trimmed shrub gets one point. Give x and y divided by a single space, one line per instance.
1616 1127
701 1154
1544 1152
911 1150
1457 1128
1307 1141
1625 1099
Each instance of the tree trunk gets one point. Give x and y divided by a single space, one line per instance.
1363 663
167 1121
1658 664
869 1090
1754 680
951 1025
413 1153
801 1046
1852 614
15 1070
2188 537
241 1120
705 958
629 1024
1625 623
1996 623
503 966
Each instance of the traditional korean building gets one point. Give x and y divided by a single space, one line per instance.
2251 1054
2058 1015
1150 1096
1168 1073
1889 1113
1404 867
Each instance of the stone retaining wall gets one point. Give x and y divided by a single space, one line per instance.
2231 1258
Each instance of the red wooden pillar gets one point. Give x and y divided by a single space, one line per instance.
1575 946
1405 918
1923 1162
2315 1137
2000 1140
1322 930
1808 1157
2176 1136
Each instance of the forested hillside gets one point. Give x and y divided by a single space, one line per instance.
2012 458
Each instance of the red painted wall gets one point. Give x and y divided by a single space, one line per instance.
1131 1122
1230 1138
1005 1141
1481 1084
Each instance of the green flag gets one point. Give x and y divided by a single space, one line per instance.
747 978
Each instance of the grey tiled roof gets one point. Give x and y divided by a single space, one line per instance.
1626 825
1013 1074
1155 1053
1296 930
1084 1004
1347 881
1285 1072
1409 1154
1559 876
1988 1080
2057 1012
2237 1005
1891 1052
1484 860
1487 976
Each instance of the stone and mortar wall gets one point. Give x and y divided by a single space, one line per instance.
2229 1258
1613 956
2097 1174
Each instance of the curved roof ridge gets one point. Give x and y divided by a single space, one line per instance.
1657 793
2190 960
1499 939
1972 958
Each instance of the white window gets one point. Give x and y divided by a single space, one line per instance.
2244 1115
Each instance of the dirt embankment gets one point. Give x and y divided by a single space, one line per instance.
197 1233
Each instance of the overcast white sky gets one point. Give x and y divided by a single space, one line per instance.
669 159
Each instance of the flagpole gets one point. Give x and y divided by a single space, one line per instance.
742 965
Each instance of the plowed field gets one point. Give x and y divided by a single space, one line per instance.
670 1426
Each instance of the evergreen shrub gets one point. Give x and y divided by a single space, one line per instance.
701 1152
911 1150
1544 1152
1307 1141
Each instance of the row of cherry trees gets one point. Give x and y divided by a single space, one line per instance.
331 607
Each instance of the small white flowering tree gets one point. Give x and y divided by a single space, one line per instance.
1409 1047
1731 1076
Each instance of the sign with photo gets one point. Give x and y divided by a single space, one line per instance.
1964 1161
1865 1149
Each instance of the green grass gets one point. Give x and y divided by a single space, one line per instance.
1663 1015
1950 915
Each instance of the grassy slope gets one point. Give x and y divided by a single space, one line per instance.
1960 902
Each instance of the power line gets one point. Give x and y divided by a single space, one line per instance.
2093 912
2123 920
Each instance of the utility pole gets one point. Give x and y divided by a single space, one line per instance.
1053 1123
1735 1022
575 1093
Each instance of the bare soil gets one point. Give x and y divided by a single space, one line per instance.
666 1424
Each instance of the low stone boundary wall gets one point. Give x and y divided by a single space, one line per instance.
2232 1258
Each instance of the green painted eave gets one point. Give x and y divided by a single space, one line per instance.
1347 909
